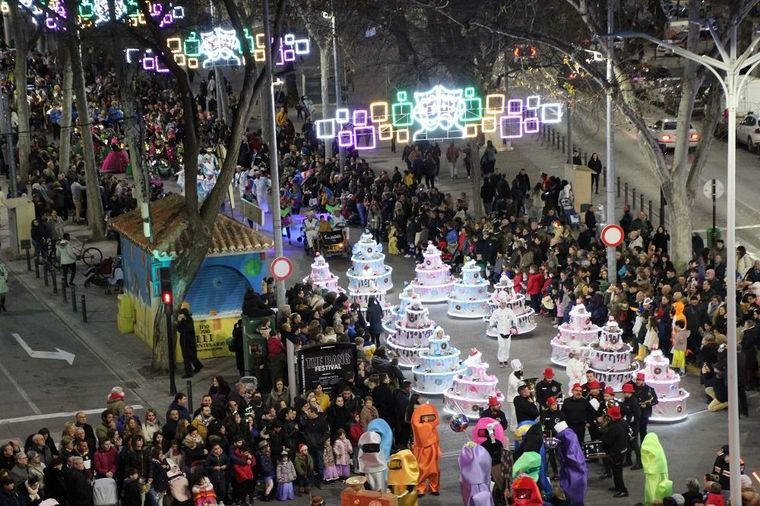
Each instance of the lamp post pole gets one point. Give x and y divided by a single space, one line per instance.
338 87
731 71
610 189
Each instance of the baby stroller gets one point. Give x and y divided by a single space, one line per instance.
107 273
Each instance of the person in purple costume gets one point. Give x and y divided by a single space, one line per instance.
475 475
573 474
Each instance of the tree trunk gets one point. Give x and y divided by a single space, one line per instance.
94 199
64 154
680 211
325 59
477 203
291 85
22 102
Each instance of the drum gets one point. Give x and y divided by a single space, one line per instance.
551 442
593 449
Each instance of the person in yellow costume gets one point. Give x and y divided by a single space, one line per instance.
656 483
426 448
403 474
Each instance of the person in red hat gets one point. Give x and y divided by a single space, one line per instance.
632 414
596 401
525 406
548 387
578 412
550 417
615 444
647 398
494 411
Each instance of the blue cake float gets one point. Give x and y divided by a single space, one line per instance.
397 312
437 366
433 280
469 296
412 333
368 274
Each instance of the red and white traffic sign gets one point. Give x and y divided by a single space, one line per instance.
612 235
281 268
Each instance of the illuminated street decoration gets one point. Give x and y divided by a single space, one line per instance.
220 47
438 114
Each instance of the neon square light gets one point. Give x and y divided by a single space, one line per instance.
378 111
289 39
495 103
363 133
531 126
515 107
533 102
385 132
473 109
551 113
402 136
470 130
488 124
325 128
342 115
302 47
510 127
360 117
402 114
345 138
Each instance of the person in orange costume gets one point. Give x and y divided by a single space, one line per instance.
426 448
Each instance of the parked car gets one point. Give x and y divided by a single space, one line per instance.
748 131
665 132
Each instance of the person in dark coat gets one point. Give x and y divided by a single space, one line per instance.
9 496
383 397
578 411
187 341
615 444
254 306
595 164
402 431
632 414
78 488
494 411
55 486
525 407
374 319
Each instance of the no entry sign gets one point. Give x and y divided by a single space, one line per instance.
612 236
281 268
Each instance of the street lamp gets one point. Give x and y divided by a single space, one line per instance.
336 63
731 71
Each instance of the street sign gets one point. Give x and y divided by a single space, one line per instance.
708 188
281 268
612 235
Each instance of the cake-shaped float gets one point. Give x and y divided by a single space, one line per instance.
396 313
471 389
610 358
437 366
469 296
433 281
671 405
578 330
412 333
504 291
321 277
368 274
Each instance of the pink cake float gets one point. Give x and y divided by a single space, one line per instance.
504 291
471 389
397 312
433 281
437 366
321 277
469 296
611 357
671 405
412 333
578 330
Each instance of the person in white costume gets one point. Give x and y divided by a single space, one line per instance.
505 321
575 367
311 227
513 384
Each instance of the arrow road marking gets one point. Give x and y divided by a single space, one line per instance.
59 354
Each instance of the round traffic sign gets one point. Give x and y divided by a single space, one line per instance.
708 188
612 235
281 268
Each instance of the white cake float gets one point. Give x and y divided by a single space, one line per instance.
368 274
433 281
471 389
610 358
504 291
321 277
469 296
397 312
412 333
578 330
671 405
437 366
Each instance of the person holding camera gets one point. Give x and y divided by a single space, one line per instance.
187 341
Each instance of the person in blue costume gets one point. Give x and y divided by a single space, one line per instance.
386 436
533 441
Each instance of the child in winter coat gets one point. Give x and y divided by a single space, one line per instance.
368 413
304 465
680 339
216 470
343 451
131 489
355 431
331 472
286 475
203 491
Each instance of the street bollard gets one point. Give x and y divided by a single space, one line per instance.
618 187
553 137
641 205
45 275
633 203
63 288
650 210
74 298
55 283
36 268
563 143
83 304
585 158
625 201
604 172
28 260
189 385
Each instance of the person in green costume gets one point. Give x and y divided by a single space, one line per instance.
657 486
529 463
